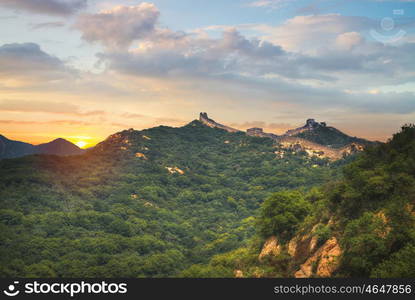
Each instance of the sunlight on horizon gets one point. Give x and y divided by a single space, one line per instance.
81 144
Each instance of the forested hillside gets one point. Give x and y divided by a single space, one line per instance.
361 225
143 203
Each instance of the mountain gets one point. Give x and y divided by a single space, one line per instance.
13 149
58 147
314 138
147 203
325 135
207 200
361 225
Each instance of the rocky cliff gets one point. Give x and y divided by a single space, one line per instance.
304 256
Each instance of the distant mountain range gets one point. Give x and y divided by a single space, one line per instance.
13 149
315 138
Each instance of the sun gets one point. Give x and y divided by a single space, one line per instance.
81 144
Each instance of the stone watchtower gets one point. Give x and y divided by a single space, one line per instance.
203 116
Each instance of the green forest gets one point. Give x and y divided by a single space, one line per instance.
369 209
196 201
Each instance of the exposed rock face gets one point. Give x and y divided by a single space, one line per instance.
323 262
312 149
301 247
271 247
329 260
387 228
173 170
204 119
141 155
410 209
238 274
352 149
292 246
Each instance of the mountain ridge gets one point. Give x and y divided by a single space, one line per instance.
315 138
14 149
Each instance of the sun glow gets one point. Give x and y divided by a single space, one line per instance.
81 144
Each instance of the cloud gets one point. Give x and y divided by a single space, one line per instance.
351 61
271 4
268 127
8 17
316 47
192 55
27 61
348 40
133 116
51 123
332 49
311 63
48 7
120 26
323 54
45 107
377 102
48 25
308 34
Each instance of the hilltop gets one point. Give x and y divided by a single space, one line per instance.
314 138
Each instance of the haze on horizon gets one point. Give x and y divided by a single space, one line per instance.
84 69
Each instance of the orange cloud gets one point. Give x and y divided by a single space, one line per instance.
45 107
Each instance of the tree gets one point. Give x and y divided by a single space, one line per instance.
400 265
281 213
365 243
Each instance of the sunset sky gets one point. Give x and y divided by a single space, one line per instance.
84 69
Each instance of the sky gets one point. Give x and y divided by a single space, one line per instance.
85 69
